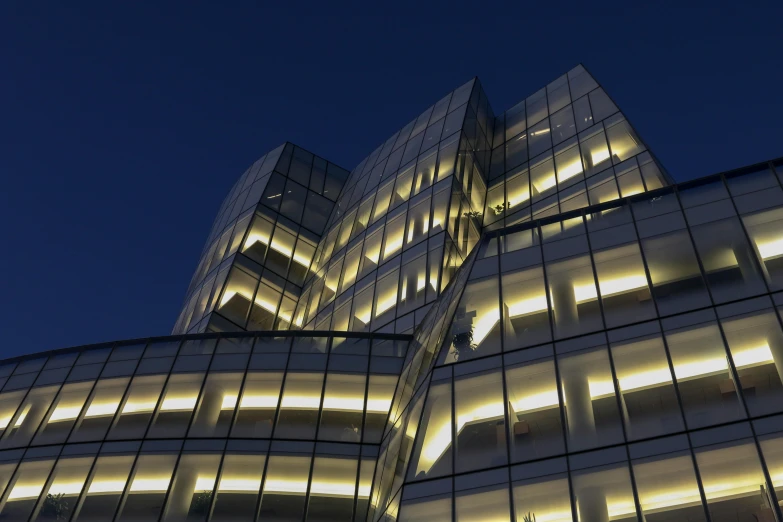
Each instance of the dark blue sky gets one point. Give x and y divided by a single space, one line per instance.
123 124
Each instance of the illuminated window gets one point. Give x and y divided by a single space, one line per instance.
99 413
701 368
63 414
148 486
298 417
668 488
176 407
28 483
545 496
136 410
604 493
475 329
533 405
432 454
525 310
480 421
258 405
482 504
192 488
285 486
732 478
332 488
216 408
341 419
622 282
238 487
647 394
766 233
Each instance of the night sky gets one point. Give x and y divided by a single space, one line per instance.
124 124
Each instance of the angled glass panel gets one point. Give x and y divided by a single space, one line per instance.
332 489
604 493
149 483
482 504
533 405
238 487
728 260
343 407
258 405
622 281
432 453
24 489
590 404
707 389
176 408
756 346
137 407
59 500
525 309
63 413
428 509
733 480
674 271
298 417
480 421
285 487
104 488
475 329
766 234
193 487
544 496
102 405
28 417
647 394
668 489
216 408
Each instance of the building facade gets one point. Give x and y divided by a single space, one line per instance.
491 318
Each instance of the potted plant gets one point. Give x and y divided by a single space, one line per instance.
55 507
200 503
530 517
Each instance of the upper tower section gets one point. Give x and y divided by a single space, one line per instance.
370 251
262 242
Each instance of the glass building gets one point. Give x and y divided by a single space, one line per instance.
515 317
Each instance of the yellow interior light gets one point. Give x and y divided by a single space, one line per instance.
770 248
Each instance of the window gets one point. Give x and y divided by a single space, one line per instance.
622 282
215 411
647 394
706 386
667 487
475 329
533 405
591 412
432 454
525 309
148 486
238 488
480 421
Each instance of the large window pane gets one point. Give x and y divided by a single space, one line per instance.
332 489
649 400
534 407
525 309
483 504
136 410
193 488
28 417
285 486
432 454
623 284
238 488
707 389
148 487
674 271
604 494
429 509
766 233
574 297
475 330
756 346
25 488
341 419
176 408
63 413
668 489
258 405
102 494
480 421
299 406
216 409
728 260
733 482
591 416
546 497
